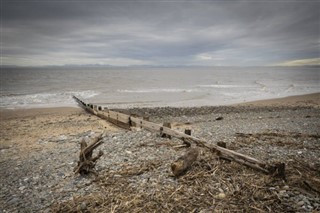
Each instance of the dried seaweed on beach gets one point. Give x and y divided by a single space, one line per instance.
210 185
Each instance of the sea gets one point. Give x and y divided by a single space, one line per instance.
124 87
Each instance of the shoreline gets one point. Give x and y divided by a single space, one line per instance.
312 99
307 100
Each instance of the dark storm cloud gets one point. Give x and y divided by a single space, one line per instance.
159 33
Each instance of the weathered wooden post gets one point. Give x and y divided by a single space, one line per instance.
187 132
163 135
165 131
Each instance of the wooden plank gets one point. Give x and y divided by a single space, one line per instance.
119 116
123 123
227 152
146 124
238 157
124 120
118 119
115 115
203 143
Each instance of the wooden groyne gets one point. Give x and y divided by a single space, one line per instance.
127 121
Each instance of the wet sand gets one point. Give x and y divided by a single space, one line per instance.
298 100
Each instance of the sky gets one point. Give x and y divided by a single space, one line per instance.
160 33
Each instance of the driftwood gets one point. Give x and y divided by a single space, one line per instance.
86 162
183 163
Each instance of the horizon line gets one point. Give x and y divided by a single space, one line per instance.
155 66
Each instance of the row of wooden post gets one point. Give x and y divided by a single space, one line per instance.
127 121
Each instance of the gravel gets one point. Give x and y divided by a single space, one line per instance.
45 177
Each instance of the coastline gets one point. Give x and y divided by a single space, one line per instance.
39 148
38 120
29 112
307 100
312 99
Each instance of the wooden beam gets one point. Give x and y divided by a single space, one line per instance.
118 119
124 120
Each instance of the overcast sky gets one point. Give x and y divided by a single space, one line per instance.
122 33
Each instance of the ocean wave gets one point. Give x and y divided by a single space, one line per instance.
221 86
290 88
156 90
43 99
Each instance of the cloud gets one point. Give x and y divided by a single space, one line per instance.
204 57
159 33
301 62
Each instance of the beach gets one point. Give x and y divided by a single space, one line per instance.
40 147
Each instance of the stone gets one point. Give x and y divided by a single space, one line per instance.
300 203
48 210
221 196
60 174
309 207
282 191
21 188
83 206
297 192
13 201
286 187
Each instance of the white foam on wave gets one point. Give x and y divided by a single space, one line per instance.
156 90
43 99
223 86
262 86
290 88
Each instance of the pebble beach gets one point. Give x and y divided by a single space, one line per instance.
39 149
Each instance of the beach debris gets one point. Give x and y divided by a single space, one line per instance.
187 131
126 121
278 170
183 163
221 156
222 144
86 162
219 118
185 142
164 135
